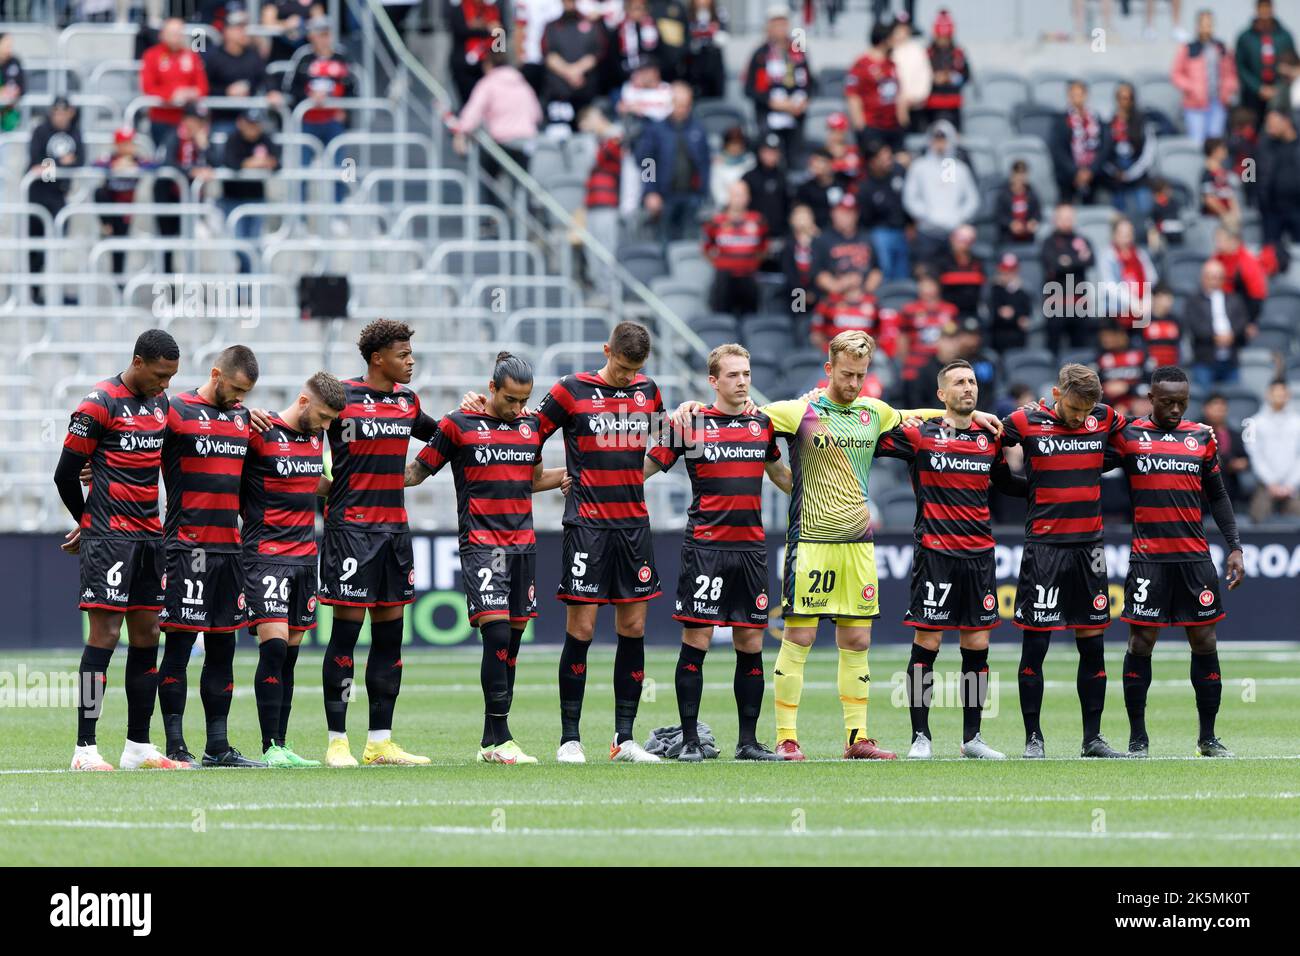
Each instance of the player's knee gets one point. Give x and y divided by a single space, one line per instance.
1202 640
1141 642
747 640
974 640
698 637
930 640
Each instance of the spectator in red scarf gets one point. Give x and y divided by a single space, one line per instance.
1259 51
473 25
1018 211
636 39
1128 153
1066 257
779 81
1219 326
1217 196
1206 74
871 88
705 68
175 73
735 241
951 71
1127 273
797 261
1075 145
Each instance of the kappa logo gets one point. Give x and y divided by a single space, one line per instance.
503 427
88 595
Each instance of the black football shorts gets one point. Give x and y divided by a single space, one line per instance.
366 569
281 593
121 574
950 593
607 566
724 588
205 591
1165 594
1062 587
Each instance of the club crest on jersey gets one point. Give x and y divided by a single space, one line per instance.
525 431
532 593
158 414
869 592
1100 602
638 397
990 602
981 442
315 442
760 602
755 429
239 422
410 577
240 602
311 603
1090 423
1191 443
163 583
864 416
644 573
402 403
1206 597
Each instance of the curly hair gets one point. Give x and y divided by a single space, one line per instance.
380 334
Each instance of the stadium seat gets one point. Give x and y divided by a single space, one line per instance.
983 157
1034 152
1280 340
896 508
1258 368
1083 356
682 299
1156 91
1182 270
718 116
765 375
1000 89
987 122
645 261
1101 90
803 371
1035 119
1048 88
768 337
1181 160
1242 402
696 271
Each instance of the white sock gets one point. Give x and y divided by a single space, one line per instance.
378 736
336 735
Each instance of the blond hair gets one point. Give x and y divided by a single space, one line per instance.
1081 381
721 352
855 342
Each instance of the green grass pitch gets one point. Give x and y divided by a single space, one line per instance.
1062 811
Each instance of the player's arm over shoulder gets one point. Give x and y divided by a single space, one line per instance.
786 415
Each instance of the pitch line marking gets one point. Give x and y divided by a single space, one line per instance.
670 832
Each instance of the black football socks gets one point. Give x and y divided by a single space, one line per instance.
268 687
974 690
173 686
1029 677
920 684
573 683
141 686
748 687
494 675
216 688
1207 682
1091 684
1137 680
92 682
689 683
629 672
337 672
384 671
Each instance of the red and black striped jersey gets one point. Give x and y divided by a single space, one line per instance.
736 246
606 173
605 431
368 443
203 465
122 435
725 458
1166 471
278 498
492 463
1063 467
951 469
